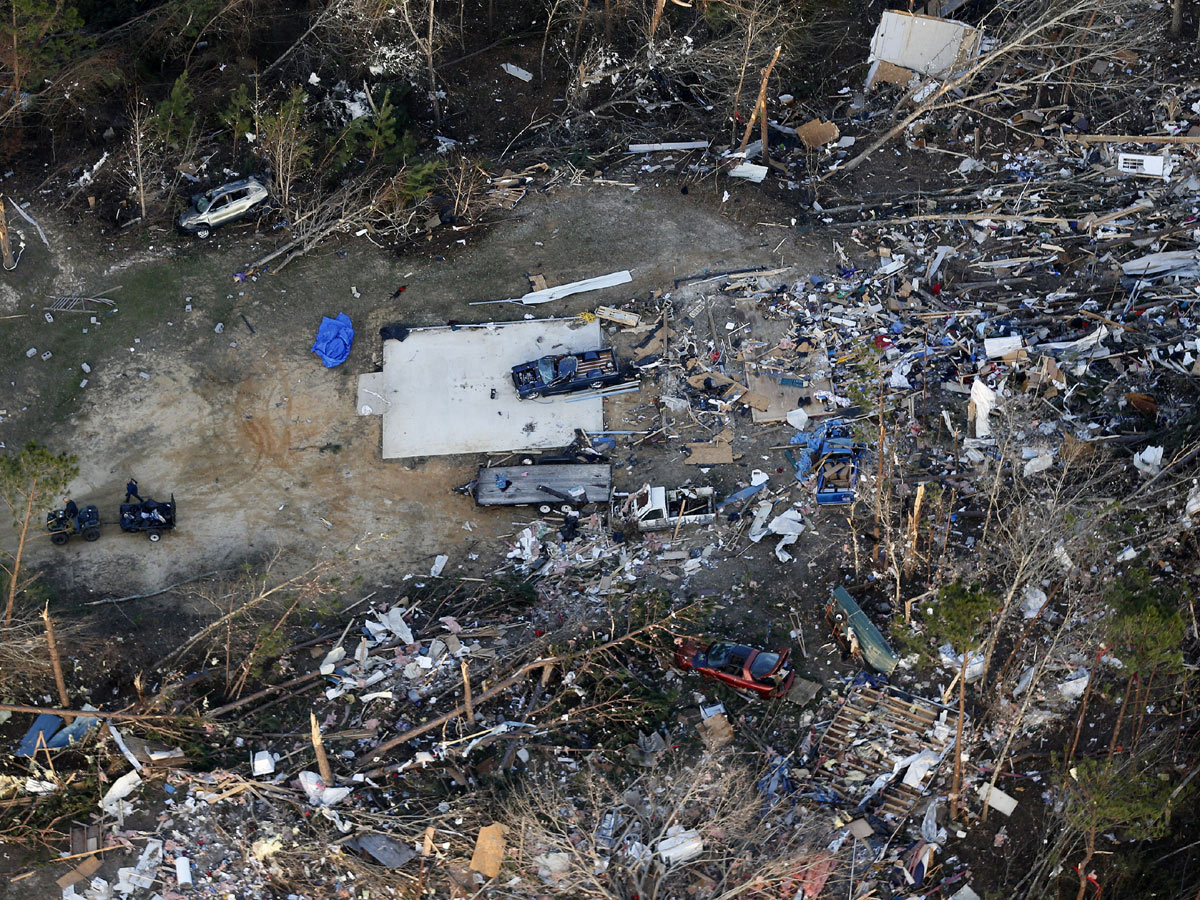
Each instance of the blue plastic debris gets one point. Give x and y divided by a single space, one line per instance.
334 338
76 731
48 728
776 783
44 727
739 496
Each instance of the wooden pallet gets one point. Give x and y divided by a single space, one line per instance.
871 729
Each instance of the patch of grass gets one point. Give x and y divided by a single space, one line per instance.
149 296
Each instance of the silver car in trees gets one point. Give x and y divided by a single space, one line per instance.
222 205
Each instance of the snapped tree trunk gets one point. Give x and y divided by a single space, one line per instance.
5 244
15 574
956 787
760 102
55 661
1087 694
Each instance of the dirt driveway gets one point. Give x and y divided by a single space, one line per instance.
258 442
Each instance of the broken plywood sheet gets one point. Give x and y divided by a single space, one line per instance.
715 731
709 454
803 691
925 44
489 850
816 133
85 869
652 346
783 398
889 73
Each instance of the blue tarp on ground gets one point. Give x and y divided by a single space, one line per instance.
334 338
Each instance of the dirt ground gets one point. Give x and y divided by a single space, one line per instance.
260 444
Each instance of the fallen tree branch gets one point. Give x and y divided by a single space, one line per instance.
376 754
169 587
83 713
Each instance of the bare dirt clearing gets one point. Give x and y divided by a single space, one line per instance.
261 445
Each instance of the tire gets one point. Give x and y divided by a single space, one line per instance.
566 509
91 534
533 395
59 538
543 509
203 233
155 535
597 385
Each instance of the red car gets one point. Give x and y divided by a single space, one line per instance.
740 667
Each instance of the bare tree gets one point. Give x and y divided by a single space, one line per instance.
420 17
140 148
285 141
1040 528
714 61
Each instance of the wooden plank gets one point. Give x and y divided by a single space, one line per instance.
628 319
668 145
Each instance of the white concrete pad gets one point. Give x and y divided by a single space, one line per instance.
435 390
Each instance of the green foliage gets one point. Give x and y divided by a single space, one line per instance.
960 615
39 37
104 14
327 606
1104 797
192 15
269 645
1149 638
34 478
1148 629
515 590
717 16
419 181
238 115
377 135
905 641
173 117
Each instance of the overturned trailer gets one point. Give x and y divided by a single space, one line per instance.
544 485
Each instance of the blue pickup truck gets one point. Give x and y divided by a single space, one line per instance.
567 373
833 452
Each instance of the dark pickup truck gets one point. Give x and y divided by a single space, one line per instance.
567 373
